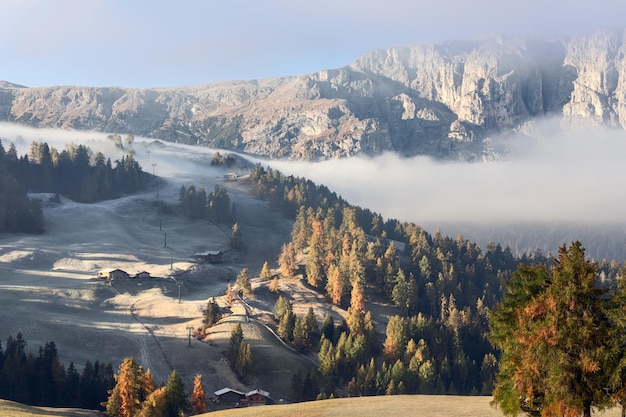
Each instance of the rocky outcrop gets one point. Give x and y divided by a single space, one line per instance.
441 99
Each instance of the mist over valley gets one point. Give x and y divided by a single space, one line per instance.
553 189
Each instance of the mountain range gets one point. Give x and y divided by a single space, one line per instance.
447 100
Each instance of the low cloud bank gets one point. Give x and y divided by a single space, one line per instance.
577 177
556 177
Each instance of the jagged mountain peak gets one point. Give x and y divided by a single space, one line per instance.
443 99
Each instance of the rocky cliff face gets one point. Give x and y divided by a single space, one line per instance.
442 99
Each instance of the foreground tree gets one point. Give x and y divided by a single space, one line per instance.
559 346
130 390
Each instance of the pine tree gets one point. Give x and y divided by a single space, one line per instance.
198 397
176 401
236 337
211 314
245 363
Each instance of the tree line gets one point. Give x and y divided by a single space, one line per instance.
194 203
444 290
42 380
75 172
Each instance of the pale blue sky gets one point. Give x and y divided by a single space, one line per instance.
158 43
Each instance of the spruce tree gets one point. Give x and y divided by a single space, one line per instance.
175 396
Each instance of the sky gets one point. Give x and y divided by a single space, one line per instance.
158 43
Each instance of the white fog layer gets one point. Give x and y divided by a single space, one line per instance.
548 192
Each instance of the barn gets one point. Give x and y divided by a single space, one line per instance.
257 397
211 256
228 396
113 274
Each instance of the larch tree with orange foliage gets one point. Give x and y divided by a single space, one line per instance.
559 343
198 397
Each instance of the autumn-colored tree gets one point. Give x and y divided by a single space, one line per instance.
335 284
129 392
236 239
266 272
243 282
395 343
198 397
229 294
315 274
557 340
355 316
287 261
274 285
155 405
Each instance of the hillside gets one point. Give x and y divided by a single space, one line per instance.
13 409
49 288
449 100
397 405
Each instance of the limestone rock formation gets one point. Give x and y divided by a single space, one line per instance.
446 100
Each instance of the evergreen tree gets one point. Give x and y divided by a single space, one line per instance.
245 363
236 337
211 314
556 338
175 399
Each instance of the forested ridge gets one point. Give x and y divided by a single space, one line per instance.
41 379
76 172
444 289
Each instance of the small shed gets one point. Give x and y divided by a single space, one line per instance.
228 396
112 274
257 397
142 275
211 256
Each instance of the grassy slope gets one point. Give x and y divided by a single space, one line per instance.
399 405
12 409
